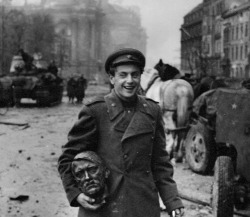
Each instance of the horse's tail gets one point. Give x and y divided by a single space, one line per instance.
182 107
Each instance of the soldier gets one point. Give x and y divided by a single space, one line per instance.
27 59
52 68
71 88
81 87
126 130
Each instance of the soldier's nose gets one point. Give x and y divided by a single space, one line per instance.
129 78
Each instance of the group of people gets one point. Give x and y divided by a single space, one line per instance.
76 87
114 163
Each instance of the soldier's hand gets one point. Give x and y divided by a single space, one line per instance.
88 203
177 212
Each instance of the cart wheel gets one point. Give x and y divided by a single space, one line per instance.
200 149
222 189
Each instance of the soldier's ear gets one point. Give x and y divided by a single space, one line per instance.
107 173
111 79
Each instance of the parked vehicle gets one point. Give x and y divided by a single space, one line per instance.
219 140
37 84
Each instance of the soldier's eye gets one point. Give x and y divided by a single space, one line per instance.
136 75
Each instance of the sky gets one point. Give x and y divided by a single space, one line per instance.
162 20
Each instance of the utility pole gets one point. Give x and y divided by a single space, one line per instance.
2 39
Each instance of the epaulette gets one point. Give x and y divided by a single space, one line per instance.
151 100
94 100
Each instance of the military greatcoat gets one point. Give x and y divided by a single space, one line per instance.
133 147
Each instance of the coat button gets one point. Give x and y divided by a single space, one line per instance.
125 156
147 172
113 104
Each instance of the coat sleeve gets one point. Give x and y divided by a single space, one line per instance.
81 137
163 170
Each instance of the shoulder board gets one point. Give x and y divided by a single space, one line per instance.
94 100
149 99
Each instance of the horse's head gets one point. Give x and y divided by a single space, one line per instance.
147 76
166 71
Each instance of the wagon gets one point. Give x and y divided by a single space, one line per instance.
219 141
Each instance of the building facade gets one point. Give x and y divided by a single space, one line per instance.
191 41
211 36
225 38
87 31
236 39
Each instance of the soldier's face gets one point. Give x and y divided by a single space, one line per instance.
89 176
126 81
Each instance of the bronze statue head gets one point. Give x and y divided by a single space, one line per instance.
90 173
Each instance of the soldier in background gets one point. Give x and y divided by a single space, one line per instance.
71 88
28 59
80 89
52 68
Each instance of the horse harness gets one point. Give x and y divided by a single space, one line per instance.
150 84
178 129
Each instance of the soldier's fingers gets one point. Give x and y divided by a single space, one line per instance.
82 199
93 206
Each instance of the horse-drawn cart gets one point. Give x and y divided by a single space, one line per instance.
219 140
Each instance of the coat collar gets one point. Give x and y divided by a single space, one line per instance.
115 106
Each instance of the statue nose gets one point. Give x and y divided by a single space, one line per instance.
86 175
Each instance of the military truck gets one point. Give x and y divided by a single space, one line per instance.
219 140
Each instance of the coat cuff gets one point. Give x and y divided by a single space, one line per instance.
72 195
174 204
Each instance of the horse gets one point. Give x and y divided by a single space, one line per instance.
175 97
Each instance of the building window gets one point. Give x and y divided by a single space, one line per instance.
236 52
241 30
232 53
226 52
241 52
246 50
232 33
246 29
236 30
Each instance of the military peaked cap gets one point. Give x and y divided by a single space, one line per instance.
125 56
90 156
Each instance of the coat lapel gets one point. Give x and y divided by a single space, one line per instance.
141 122
114 105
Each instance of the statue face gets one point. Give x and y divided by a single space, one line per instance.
90 176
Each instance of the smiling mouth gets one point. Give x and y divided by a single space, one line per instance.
129 88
